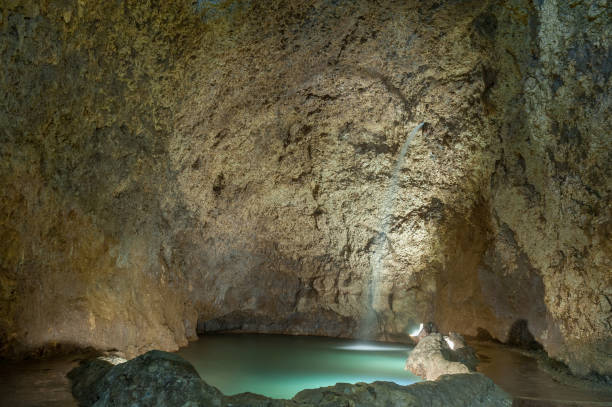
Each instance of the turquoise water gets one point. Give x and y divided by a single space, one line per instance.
280 366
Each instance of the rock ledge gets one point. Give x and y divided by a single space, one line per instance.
433 357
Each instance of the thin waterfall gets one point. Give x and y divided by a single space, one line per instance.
370 322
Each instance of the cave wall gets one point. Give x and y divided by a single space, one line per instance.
551 188
547 256
285 150
170 167
87 105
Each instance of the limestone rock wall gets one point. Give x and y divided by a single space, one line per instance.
546 257
551 188
87 99
169 165
285 149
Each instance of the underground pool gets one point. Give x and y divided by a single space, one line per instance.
280 366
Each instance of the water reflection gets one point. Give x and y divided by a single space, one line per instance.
520 376
375 347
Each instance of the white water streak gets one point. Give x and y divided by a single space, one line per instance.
387 217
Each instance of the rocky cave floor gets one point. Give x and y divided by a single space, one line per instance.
523 374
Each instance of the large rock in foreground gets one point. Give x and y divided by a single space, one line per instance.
154 379
163 379
87 374
472 389
433 357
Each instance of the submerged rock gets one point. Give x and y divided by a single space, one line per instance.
433 357
163 379
256 400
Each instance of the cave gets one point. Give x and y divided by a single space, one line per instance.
182 174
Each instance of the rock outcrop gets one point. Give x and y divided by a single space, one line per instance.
169 165
85 376
154 379
550 261
549 225
84 118
433 357
472 389
162 379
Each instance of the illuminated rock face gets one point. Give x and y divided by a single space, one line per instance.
550 189
435 355
165 168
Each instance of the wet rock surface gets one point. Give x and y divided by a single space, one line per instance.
433 357
532 382
473 389
162 379
154 379
167 166
87 374
551 228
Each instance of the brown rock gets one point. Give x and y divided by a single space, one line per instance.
433 357
164 165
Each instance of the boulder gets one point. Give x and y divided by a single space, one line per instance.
433 357
154 379
472 390
462 352
87 374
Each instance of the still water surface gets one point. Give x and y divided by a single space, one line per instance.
281 366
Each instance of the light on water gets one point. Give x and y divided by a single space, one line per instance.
280 366
374 347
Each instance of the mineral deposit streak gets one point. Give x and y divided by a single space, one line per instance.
374 302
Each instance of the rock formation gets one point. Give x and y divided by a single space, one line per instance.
154 379
169 165
433 357
473 389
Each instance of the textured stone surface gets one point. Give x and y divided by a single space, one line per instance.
432 358
83 174
472 389
163 379
85 376
154 379
165 166
550 260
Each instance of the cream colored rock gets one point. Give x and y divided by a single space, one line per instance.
433 357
